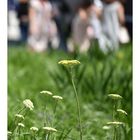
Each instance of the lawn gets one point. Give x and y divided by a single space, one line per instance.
97 76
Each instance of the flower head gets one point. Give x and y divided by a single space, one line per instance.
115 123
28 104
115 96
121 111
21 125
57 97
9 133
19 116
46 92
69 63
49 129
120 55
34 129
106 127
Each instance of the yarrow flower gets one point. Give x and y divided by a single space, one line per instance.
46 92
115 96
57 97
19 116
9 133
120 55
21 125
35 129
28 104
106 127
69 63
49 129
121 111
115 123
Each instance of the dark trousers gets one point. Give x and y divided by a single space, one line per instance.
24 31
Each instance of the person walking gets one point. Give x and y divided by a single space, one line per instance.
42 29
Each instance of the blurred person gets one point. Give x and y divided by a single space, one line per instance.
11 4
128 15
13 23
23 16
80 25
95 14
62 17
42 29
124 35
112 19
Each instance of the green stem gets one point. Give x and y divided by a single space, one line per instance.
19 133
119 134
113 119
45 123
21 110
114 111
78 106
114 133
48 137
33 137
55 106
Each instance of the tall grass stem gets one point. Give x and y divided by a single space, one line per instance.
78 106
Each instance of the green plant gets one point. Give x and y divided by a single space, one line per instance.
70 64
116 123
99 74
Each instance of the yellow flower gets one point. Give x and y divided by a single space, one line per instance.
19 116
46 92
35 129
21 125
115 96
49 129
57 97
120 55
28 103
121 111
69 63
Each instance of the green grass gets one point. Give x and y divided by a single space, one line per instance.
98 75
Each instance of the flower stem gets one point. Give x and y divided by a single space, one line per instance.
113 118
19 133
54 110
48 136
78 106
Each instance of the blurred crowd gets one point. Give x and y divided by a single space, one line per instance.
69 24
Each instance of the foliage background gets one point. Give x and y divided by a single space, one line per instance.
98 75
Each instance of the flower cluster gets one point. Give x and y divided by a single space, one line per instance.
49 129
69 63
57 97
121 111
34 129
19 116
28 104
115 96
46 92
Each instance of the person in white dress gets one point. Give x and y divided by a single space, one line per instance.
95 22
42 28
112 19
87 26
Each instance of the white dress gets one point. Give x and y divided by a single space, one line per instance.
42 28
111 25
95 21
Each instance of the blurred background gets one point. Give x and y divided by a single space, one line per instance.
62 24
98 33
